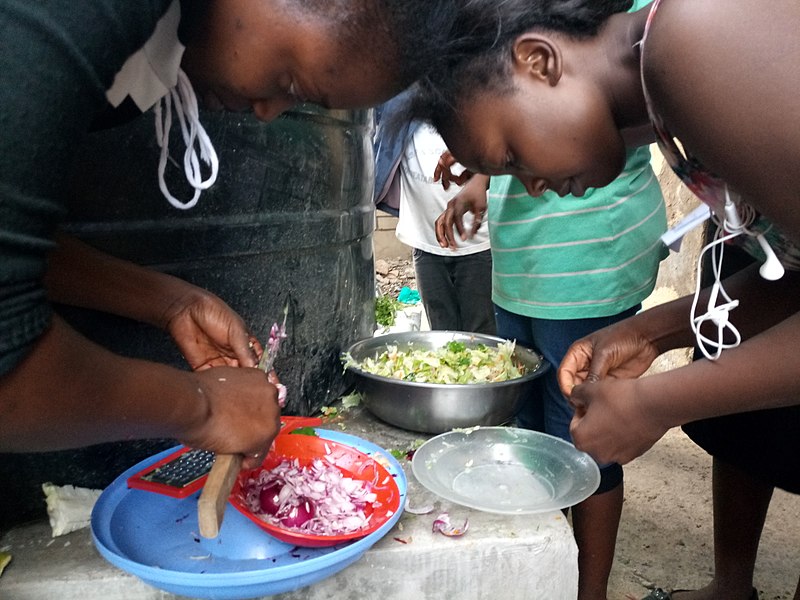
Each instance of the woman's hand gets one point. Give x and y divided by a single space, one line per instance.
209 333
444 171
610 422
243 414
471 199
620 351
598 376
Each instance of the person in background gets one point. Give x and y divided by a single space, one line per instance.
566 89
454 284
68 68
564 267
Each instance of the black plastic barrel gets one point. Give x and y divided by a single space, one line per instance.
289 220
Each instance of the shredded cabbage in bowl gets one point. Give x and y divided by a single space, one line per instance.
455 362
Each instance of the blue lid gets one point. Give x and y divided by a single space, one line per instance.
156 538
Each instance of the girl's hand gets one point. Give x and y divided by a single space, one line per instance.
451 222
610 422
242 415
619 351
599 377
444 173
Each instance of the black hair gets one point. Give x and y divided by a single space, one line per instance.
402 37
482 39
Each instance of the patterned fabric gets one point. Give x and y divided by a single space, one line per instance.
708 187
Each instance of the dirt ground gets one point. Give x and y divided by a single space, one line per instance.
666 536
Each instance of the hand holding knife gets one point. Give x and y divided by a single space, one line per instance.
221 477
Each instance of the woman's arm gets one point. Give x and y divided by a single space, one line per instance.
207 331
70 392
724 77
758 374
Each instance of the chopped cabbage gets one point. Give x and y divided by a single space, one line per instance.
455 362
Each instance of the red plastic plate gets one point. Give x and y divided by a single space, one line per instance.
351 462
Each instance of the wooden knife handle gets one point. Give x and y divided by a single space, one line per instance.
217 489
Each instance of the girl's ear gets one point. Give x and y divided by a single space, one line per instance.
539 57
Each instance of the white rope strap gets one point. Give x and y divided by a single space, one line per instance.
183 98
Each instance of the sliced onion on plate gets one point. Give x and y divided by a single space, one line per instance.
317 499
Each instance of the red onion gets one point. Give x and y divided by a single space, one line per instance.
316 499
300 514
269 498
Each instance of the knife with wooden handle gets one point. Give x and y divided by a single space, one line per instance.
214 497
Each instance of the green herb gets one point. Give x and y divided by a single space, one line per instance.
304 431
385 310
408 453
329 411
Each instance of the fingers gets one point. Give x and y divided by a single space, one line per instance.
576 367
442 171
255 460
463 178
444 226
476 223
441 231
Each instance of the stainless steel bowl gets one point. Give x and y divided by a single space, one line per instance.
440 407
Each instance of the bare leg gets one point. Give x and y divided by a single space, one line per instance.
740 508
595 522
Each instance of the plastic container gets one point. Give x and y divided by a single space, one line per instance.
506 470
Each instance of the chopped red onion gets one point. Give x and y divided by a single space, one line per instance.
443 525
317 499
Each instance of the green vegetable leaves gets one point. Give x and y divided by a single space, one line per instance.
385 310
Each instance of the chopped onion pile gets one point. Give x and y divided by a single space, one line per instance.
317 499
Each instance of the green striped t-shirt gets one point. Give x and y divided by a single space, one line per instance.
572 258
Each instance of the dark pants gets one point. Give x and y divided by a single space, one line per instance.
456 291
546 409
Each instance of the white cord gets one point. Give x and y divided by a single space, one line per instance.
185 102
718 314
715 313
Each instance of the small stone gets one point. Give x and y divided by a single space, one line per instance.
381 266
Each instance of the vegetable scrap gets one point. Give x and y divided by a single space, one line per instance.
455 362
407 453
351 400
304 431
69 508
317 499
424 509
5 558
277 334
443 525
329 412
